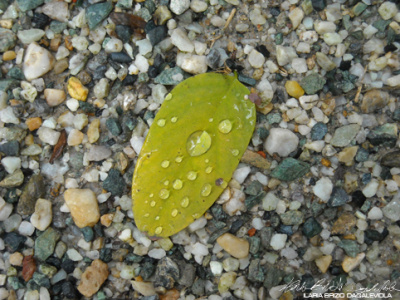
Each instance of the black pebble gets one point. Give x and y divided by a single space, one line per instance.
68 265
68 290
345 65
120 57
129 80
263 50
390 48
40 20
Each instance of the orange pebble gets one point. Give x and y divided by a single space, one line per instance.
262 153
33 123
326 162
251 231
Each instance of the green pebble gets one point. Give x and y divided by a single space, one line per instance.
88 233
166 77
47 270
312 83
96 13
114 126
25 5
359 8
15 283
292 217
45 243
57 26
311 227
290 169
350 247
274 118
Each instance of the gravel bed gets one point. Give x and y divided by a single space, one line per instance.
315 196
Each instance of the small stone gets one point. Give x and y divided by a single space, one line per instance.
338 197
28 267
281 141
344 224
33 123
33 190
193 64
292 217
114 126
162 14
13 180
48 135
332 38
278 241
299 65
323 189
114 183
311 227
76 89
290 169
83 206
284 55
374 100
11 164
178 7
54 97
25 5
392 209
255 159
350 247
96 13
171 76
180 39
324 27
43 214
45 243
350 263
371 188
393 81
312 83
256 17
359 8
14 241
57 11
198 6
7 39
323 263
144 288
10 148
235 246
319 131
93 277
93 131
294 89
256 59
325 62
387 10
38 61
344 135
98 153
16 258
75 137
347 155
30 35
296 16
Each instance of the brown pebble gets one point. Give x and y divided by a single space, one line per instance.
93 277
255 159
344 224
33 123
55 43
28 267
170 295
106 219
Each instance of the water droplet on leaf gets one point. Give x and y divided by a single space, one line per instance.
185 202
198 143
161 122
191 175
206 190
164 194
178 184
165 164
225 126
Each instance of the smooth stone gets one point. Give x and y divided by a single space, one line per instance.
38 61
284 55
290 169
319 131
311 227
76 89
25 5
144 288
30 35
93 277
45 243
54 97
48 135
350 247
374 100
56 10
312 83
347 155
10 148
281 141
178 7
13 180
294 89
171 76
83 206
344 224
338 197
180 39
114 183
325 62
34 189
278 241
256 59
11 164
344 135
237 247
96 13
75 137
43 214
98 153
392 209
323 189
387 10
296 16
350 263
323 263
193 64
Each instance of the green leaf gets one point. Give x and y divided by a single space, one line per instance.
191 150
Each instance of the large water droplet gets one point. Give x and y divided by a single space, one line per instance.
235 152
168 97
185 202
158 230
179 159
191 175
153 203
161 122
164 194
225 126
174 213
174 119
209 170
165 164
198 143
178 184
206 190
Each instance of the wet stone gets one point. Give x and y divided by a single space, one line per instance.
311 227
32 191
14 241
114 183
312 83
45 243
96 13
319 131
350 247
10 148
338 197
290 169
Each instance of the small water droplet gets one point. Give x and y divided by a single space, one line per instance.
153 203
209 170
225 126
165 164
157 218
161 122
174 119
178 184
185 202
179 159
210 120
158 230
164 194
198 143
206 190
174 213
207 161
168 97
191 175
151 195
166 182
147 215
235 152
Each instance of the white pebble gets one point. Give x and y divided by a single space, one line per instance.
157 253
11 163
281 141
278 241
241 174
375 213
216 268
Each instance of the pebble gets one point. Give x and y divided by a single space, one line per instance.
93 277
11 164
323 263
75 137
237 247
43 215
76 89
312 83
374 100
392 209
290 169
32 190
193 64
178 7
299 65
350 263
256 59
144 288
48 136
30 35
332 38
311 227
83 206
54 97
387 10
281 141
371 188
57 11
344 223
323 189
294 89
278 241
33 123
45 243
284 55
37 62
296 15
180 39
96 13
344 135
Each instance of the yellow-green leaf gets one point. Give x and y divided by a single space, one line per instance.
191 150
